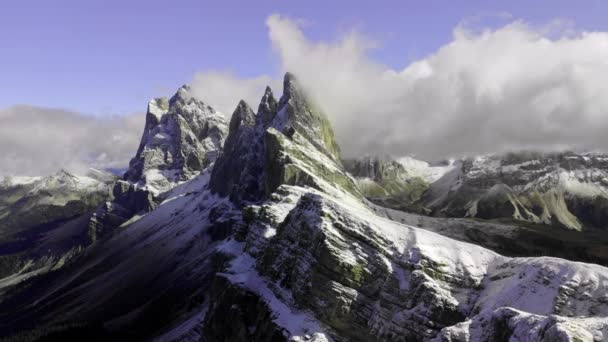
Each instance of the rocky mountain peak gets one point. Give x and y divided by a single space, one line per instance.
156 108
183 96
291 86
285 137
268 107
299 112
60 178
242 115
378 167
63 173
181 136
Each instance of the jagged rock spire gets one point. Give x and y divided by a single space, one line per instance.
238 171
242 115
268 107
259 157
182 135
297 110
291 88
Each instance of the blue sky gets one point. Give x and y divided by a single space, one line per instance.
110 57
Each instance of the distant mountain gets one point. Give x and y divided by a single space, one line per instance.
267 237
398 184
560 189
34 209
564 189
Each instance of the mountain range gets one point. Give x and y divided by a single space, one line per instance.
256 229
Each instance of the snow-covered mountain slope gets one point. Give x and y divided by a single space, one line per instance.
182 136
430 172
286 142
303 257
40 219
559 189
46 220
565 189
25 202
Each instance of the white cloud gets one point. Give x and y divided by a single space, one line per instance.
515 87
223 91
39 141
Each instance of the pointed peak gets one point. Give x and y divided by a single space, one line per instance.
184 89
289 77
243 105
183 95
268 92
62 174
158 106
268 96
243 114
267 107
290 85
293 90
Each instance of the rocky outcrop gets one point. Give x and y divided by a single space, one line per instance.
387 182
182 136
240 315
240 169
289 142
43 220
563 189
368 279
53 198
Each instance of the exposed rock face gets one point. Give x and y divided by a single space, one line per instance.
39 219
373 280
559 189
313 246
383 179
281 144
240 169
182 136
377 168
239 315
44 200
566 189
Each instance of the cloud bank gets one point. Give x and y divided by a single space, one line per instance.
39 141
495 90
486 91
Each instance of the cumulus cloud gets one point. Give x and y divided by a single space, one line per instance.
511 88
39 141
223 90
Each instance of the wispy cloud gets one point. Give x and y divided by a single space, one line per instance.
39 141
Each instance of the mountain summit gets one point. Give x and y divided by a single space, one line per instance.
285 142
182 136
